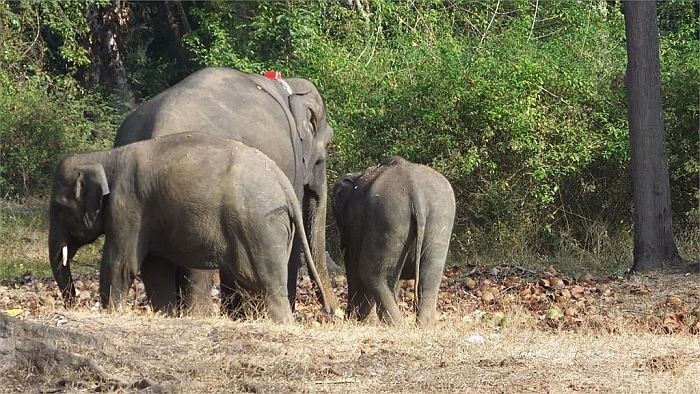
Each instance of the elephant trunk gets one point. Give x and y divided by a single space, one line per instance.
60 255
315 206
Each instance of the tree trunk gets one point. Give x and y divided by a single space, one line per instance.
653 230
179 26
108 69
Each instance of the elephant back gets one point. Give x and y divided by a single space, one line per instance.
219 101
292 129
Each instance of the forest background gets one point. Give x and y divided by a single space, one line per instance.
520 104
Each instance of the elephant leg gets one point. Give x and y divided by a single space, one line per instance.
160 282
429 284
278 306
293 272
118 269
427 302
231 297
354 301
379 276
360 305
367 311
195 288
387 308
275 282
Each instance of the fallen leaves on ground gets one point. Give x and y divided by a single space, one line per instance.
662 302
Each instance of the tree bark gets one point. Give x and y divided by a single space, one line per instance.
179 26
108 69
653 229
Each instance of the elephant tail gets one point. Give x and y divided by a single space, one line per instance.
419 215
300 232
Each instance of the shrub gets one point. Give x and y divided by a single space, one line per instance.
40 119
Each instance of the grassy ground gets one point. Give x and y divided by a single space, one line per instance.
218 355
504 328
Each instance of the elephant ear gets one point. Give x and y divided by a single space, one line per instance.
309 115
341 192
90 187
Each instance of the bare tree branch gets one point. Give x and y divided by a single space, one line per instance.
534 19
495 12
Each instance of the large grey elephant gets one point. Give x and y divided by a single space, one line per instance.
395 222
193 199
285 119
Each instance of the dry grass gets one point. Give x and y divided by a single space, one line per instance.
626 335
460 355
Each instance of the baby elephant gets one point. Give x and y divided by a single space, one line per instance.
395 222
196 200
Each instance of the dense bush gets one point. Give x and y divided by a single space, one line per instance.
43 118
680 68
520 104
504 108
43 115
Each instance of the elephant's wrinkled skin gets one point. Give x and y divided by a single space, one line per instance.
395 222
199 201
285 120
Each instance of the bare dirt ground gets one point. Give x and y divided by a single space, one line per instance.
501 330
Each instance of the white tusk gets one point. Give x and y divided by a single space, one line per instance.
64 255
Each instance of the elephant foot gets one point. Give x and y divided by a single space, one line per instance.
364 312
427 319
208 310
279 310
372 318
387 318
426 323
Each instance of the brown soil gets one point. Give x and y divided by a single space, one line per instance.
501 330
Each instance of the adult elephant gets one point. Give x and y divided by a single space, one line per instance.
395 221
285 119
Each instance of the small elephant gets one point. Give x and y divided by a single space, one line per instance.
199 201
395 222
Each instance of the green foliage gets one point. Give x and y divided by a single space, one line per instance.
67 26
40 119
246 36
679 24
19 37
43 116
30 135
509 110
28 27
520 104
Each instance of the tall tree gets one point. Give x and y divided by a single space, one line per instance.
107 67
653 228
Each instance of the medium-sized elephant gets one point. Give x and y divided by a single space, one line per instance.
395 222
199 201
